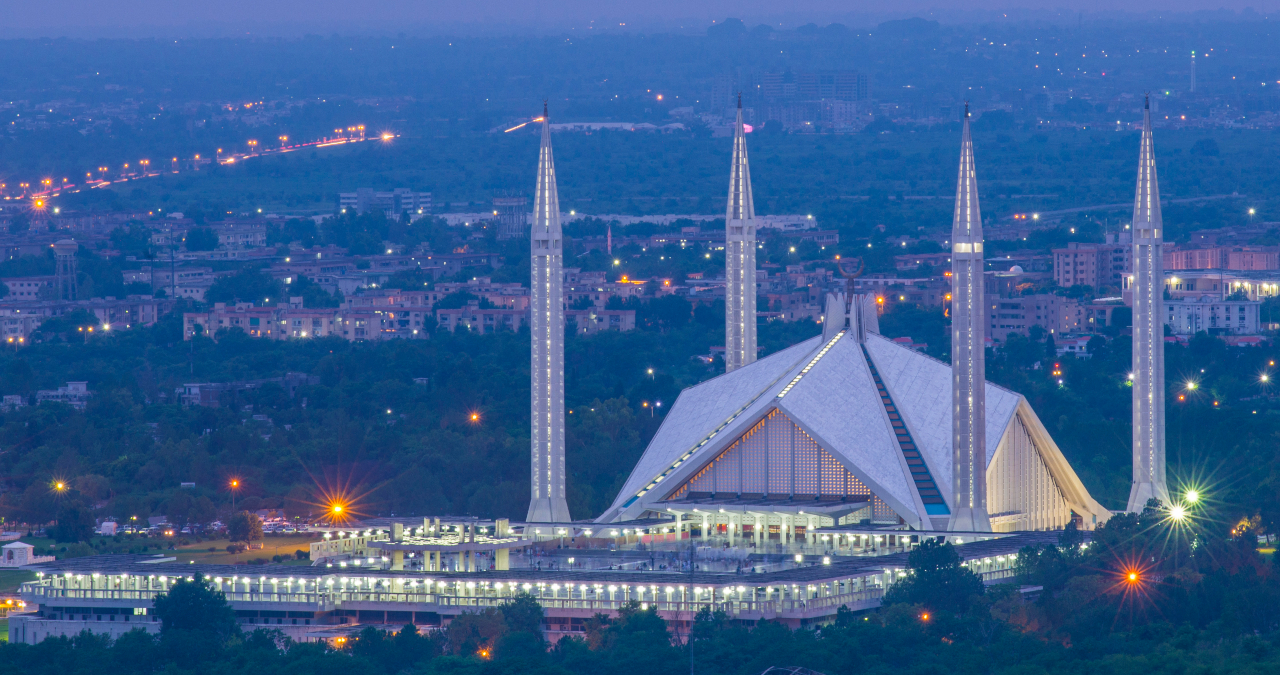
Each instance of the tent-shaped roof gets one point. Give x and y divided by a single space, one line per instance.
827 387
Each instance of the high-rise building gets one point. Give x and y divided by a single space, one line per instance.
1148 331
64 253
513 220
547 503
740 259
1092 264
393 203
968 366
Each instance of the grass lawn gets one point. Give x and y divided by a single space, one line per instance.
271 546
10 580
4 630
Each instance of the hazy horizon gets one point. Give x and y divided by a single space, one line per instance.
291 18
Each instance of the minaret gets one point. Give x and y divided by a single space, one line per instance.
1148 331
1193 72
739 259
546 309
968 347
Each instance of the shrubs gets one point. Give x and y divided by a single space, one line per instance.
237 548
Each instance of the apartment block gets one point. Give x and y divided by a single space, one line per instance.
1188 316
1096 265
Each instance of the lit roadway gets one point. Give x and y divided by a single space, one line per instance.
328 142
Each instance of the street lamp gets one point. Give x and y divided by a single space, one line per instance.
235 487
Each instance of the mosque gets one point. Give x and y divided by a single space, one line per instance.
785 489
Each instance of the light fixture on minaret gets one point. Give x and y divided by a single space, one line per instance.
546 322
739 259
968 344
1148 330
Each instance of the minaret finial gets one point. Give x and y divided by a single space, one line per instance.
968 352
1146 103
1149 477
546 326
740 258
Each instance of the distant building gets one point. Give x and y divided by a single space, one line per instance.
1188 316
393 203
27 288
75 394
1019 314
18 554
210 394
1096 265
1244 258
512 213
591 321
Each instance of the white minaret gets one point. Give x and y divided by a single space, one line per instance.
546 310
739 259
968 347
1148 331
1193 71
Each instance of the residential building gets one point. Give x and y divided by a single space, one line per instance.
19 319
393 203
590 321
1188 316
211 394
481 320
1096 265
1006 315
1244 258
28 288
75 394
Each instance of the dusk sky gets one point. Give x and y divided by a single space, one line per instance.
132 18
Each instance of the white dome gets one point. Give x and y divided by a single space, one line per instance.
1016 269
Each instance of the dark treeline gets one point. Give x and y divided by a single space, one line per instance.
363 430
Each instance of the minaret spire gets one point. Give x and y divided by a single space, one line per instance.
1148 330
739 259
968 346
547 502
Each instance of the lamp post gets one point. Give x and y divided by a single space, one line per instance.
235 487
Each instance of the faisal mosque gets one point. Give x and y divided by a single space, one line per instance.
785 489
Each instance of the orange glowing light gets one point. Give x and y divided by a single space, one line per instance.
474 417
1132 577
925 616
880 301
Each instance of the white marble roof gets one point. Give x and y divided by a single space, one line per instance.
837 403
702 408
921 387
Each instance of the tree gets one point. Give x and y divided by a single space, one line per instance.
201 239
75 523
247 285
245 526
936 579
196 607
523 614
